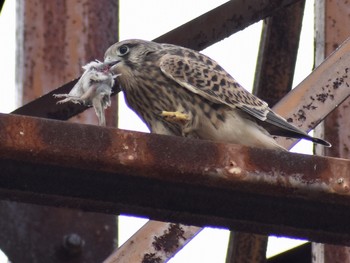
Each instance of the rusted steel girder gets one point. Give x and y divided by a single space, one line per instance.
330 18
108 170
207 29
50 51
278 53
318 94
154 242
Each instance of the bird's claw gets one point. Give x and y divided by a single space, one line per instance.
67 97
175 117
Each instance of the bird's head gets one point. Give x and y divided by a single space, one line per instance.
129 53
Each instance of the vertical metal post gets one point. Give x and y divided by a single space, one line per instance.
54 39
331 18
273 80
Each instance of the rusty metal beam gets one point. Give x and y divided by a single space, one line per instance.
277 57
50 52
246 247
110 171
330 18
154 242
318 94
234 16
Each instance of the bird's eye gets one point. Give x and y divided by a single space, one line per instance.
123 50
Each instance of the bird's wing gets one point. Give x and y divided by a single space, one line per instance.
203 76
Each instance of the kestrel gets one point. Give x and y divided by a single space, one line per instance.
93 88
179 91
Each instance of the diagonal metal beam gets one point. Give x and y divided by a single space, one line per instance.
234 15
154 242
318 94
253 190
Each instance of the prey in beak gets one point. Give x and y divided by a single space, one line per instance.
94 88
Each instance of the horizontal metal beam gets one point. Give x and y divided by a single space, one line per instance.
174 179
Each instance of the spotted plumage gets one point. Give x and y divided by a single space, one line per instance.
159 78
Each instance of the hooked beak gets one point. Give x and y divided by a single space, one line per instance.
112 63
109 63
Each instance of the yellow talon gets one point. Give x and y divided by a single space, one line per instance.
175 116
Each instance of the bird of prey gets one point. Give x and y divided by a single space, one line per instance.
93 88
179 91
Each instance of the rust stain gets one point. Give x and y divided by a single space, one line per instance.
301 172
170 240
322 97
151 258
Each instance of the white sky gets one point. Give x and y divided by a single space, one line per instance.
237 54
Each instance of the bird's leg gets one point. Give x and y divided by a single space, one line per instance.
176 117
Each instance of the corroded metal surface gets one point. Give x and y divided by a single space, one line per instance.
331 16
245 189
319 94
276 60
50 52
273 80
330 34
246 247
207 29
54 39
154 242
45 232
